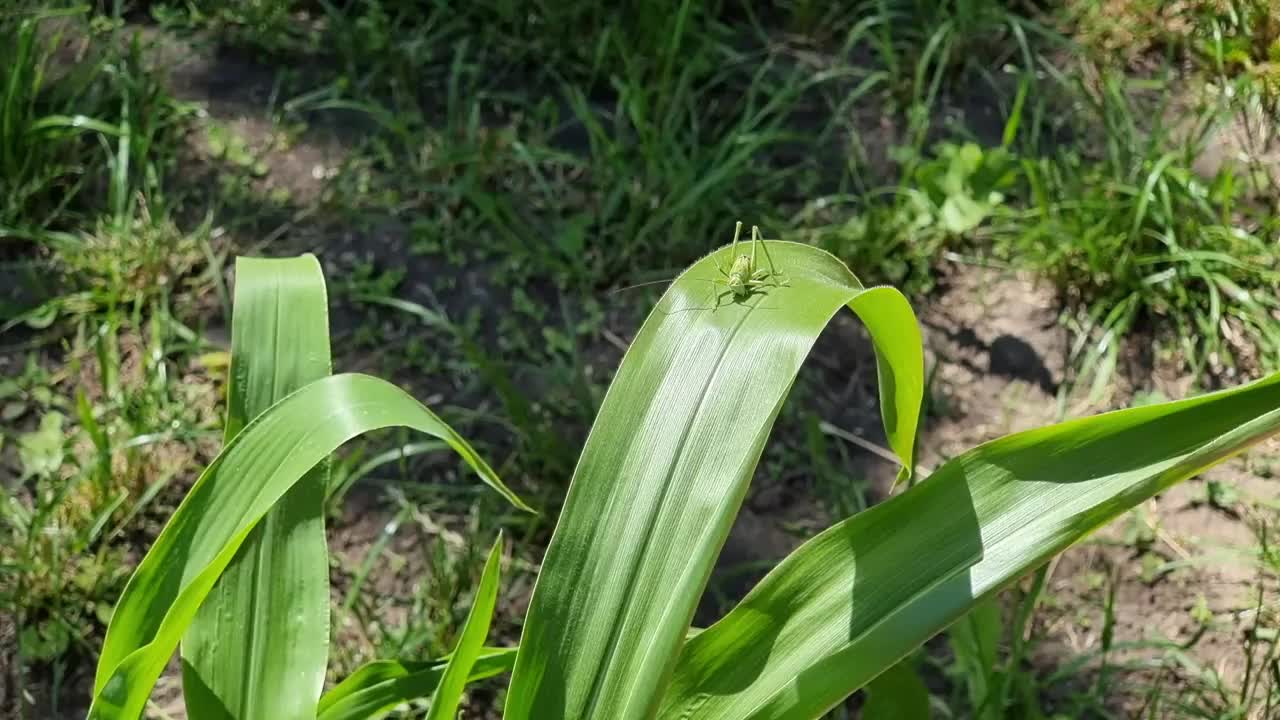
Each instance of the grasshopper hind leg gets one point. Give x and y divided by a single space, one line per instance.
733 252
779 280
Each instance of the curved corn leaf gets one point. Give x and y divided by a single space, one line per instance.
259 645
666 467
277 448
380 685
856 598
445 700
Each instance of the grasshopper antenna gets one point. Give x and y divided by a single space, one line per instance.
624 288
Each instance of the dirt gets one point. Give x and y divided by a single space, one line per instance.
1001 359
999 353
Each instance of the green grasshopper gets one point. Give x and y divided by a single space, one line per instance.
744 278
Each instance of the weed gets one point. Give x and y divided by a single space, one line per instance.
1136 235
107 412
107 434
78 134
1241 36
142 262
42 128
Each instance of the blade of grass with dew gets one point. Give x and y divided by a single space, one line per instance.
667 464
864 593
380 685
448 694
277 448
259 645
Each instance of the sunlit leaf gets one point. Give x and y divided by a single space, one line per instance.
260 643
666 467
853 600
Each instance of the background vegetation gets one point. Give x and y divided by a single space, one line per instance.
1080 196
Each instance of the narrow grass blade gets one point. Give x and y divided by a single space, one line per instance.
975 645
444 703
861 595
667 464
277 448
260 643
382 684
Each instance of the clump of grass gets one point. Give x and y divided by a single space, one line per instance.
945 202
1132 235
385 49
279 25
86 126
43 123
927 46
1128 29
143 261
585 188
98 440
101 423
1242 35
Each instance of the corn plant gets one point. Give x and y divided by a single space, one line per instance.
656 488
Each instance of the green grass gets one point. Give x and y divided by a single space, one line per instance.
532 159
1134 237
109 430
78 138
105 406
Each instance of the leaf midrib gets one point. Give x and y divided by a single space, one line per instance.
615 628
251 671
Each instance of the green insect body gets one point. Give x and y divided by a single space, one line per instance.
739 275
744 277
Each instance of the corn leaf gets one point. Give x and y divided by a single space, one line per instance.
260 643
667 464
378 686
856 598
444 703
202 537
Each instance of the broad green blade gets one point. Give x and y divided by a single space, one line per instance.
260 642
856 598
276 449
381 685
667 464
444 703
